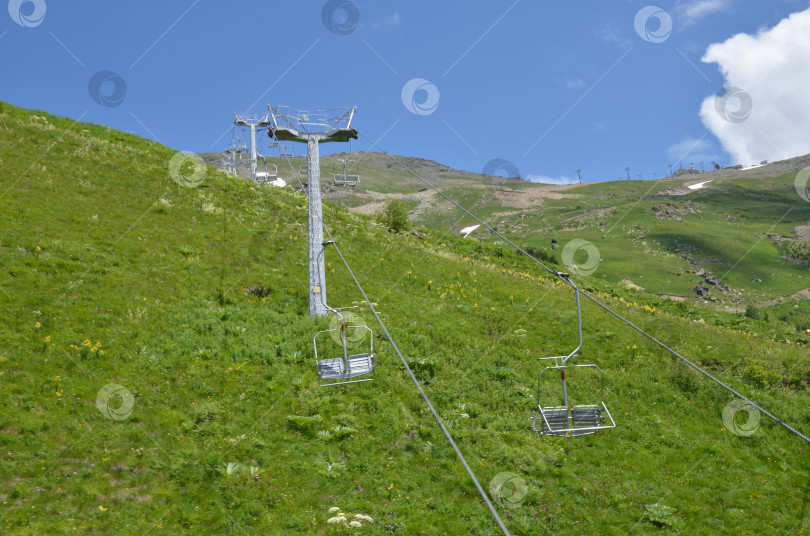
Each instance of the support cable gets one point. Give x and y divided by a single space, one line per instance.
411 374
594 300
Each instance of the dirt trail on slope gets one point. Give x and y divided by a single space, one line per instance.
517 199
802 294
378 202
532 197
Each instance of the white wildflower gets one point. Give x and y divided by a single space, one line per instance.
336 520
355 524
334 509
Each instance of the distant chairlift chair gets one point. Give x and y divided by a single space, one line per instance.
264 177
346 180
345 368
285 151
268 177
571 420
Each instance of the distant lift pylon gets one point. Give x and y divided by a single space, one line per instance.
569 419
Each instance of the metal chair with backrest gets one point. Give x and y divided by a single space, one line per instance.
569 419
346 367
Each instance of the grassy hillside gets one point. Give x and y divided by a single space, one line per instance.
193 300
747 230
734 230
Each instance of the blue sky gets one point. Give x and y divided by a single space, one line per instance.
548 86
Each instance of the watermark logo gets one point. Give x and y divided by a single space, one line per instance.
27 13
107 88
340 16
420 96
115 402
732 421
356 333
734 104
653 24
572 257
508 489
187 169
497 165
802 184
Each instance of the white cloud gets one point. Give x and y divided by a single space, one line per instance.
551 180
386 24
690 150
692 12
575 84
613 34
773 69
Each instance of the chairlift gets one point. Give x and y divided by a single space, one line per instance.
571 419
344 368
285 151
267 176
344 179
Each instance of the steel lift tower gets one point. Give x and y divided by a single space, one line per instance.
232 156
253 122
313 128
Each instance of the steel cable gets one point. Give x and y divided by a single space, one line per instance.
410 372
594 300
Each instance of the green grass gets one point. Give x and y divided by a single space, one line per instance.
728 229
114 274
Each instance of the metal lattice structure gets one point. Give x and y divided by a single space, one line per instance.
313 128
230 157
252 122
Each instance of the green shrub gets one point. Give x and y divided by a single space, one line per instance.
658 514
424 369
753 312
302 422
757 375
540 254
394 215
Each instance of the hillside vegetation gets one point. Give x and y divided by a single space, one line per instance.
743 236
194 301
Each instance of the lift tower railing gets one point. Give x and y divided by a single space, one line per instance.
252 122
313 128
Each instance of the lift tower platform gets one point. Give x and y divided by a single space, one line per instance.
313 128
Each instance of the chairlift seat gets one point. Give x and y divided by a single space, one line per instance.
346 180
557 418
583 420
337 370
586 416
358 365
